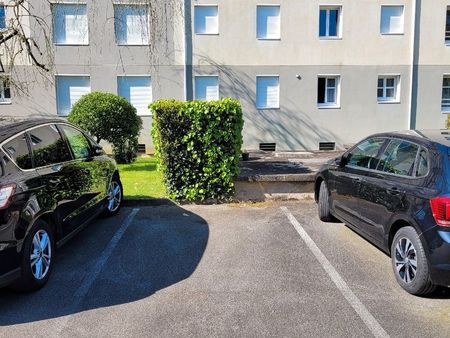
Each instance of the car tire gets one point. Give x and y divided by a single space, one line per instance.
38 254
410 263
324 203
115 197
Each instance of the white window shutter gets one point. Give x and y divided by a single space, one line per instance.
212 24
273 27
138 91
69 89
267 92
206 88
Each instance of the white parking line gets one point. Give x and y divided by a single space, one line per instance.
370 321
83 289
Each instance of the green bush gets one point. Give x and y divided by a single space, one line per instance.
110 118
198 145
447 122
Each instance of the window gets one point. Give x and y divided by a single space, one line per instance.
206 88
17 148
48 147
392 19
2 16
446 94
78 143
206 19
70 24
388 88
329 22
422 164
447 27
365 154
131 24
5 91
137 90
328 91
399 158
69 89
268 22
267 92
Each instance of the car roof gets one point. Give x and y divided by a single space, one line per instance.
437 136
12 126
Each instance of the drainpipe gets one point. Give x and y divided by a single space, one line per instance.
417 9
188 91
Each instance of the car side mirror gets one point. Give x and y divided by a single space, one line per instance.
342 161
97 151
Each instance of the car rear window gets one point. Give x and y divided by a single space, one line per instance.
422 164
48 146
17 148
364 155
399 158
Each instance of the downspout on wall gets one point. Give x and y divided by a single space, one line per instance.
415 63
188 90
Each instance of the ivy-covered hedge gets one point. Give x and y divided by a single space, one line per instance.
198 144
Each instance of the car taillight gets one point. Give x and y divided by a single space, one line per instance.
6 194
440 206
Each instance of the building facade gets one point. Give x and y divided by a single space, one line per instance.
309 74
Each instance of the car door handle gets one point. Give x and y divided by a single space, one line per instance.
394 191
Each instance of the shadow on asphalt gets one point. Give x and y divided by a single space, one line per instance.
161 247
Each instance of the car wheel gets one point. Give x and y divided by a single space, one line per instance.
37 258
115 197
324 203
409 262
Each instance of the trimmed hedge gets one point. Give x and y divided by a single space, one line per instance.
198 144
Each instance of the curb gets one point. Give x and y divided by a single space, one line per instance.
147 202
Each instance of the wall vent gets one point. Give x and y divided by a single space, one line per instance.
141 148
267 146
327 146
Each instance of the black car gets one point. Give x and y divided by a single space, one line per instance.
394 189
54 179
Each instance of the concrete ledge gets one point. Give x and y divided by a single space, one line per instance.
274 190
278 178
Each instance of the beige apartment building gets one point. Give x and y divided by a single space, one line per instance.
310 74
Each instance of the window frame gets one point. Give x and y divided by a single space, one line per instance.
397 88
403 19
279 86
207 76
339 25
218 19
73 76
447 109
116 5
53 11
328 105
3 99
139 76
279 19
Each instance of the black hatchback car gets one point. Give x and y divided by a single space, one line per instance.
54 179
394 189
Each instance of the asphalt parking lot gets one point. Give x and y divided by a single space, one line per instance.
227 270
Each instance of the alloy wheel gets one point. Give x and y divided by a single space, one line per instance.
114 196
406 260
41 254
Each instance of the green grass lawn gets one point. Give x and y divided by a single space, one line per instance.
141 179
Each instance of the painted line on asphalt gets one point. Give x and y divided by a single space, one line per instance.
87 283
370 321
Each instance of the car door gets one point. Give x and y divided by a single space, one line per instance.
88 177
346 178
51 155
385 191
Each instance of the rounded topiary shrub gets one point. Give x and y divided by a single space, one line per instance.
110 118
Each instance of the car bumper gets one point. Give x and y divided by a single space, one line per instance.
438 241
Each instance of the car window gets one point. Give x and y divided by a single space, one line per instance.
78 142
17 148
422 164
48 146
399 158
364 155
